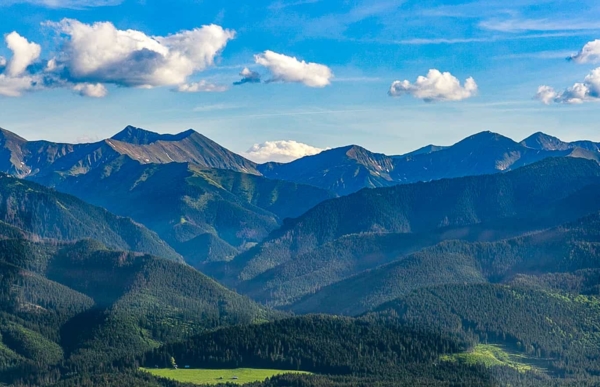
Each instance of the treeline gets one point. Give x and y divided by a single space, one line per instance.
325 345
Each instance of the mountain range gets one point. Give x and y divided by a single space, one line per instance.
341 170
349 169
145 248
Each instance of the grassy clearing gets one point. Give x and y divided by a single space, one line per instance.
493 355
206 376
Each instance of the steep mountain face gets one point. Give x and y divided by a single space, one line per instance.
526 194
208 202
342 170
205 214
186 147
347 170
75 305
48 163
45 213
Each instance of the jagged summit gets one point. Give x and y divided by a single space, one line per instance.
139 136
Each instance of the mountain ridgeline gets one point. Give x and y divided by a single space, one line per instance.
349 169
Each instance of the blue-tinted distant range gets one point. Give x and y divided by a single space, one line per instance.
276 80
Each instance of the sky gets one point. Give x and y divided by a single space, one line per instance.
279 79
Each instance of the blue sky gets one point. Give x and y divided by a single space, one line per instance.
509 48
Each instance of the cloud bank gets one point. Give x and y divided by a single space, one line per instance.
100 52
590 53
91 56
280 151
14 78
586 91
285 68
435 87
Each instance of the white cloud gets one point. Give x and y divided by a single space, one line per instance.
201 86
590 53
281 151
96 90
15 86
93 55
285 68
248 76
100 52
24 54
435 86
14 79
586 91
74 4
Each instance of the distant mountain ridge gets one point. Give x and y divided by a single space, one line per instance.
342 170
543 141
350 169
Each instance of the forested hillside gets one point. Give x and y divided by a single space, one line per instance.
571 248
326 345
45 213
342 237
562 329
75 306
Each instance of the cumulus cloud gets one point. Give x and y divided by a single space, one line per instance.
100 52
435 86
281 151
95 90
24 53
14 78
590 53
16 86
586 91
248 76
201 86
90 56
285 68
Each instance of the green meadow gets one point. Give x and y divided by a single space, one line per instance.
209 376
